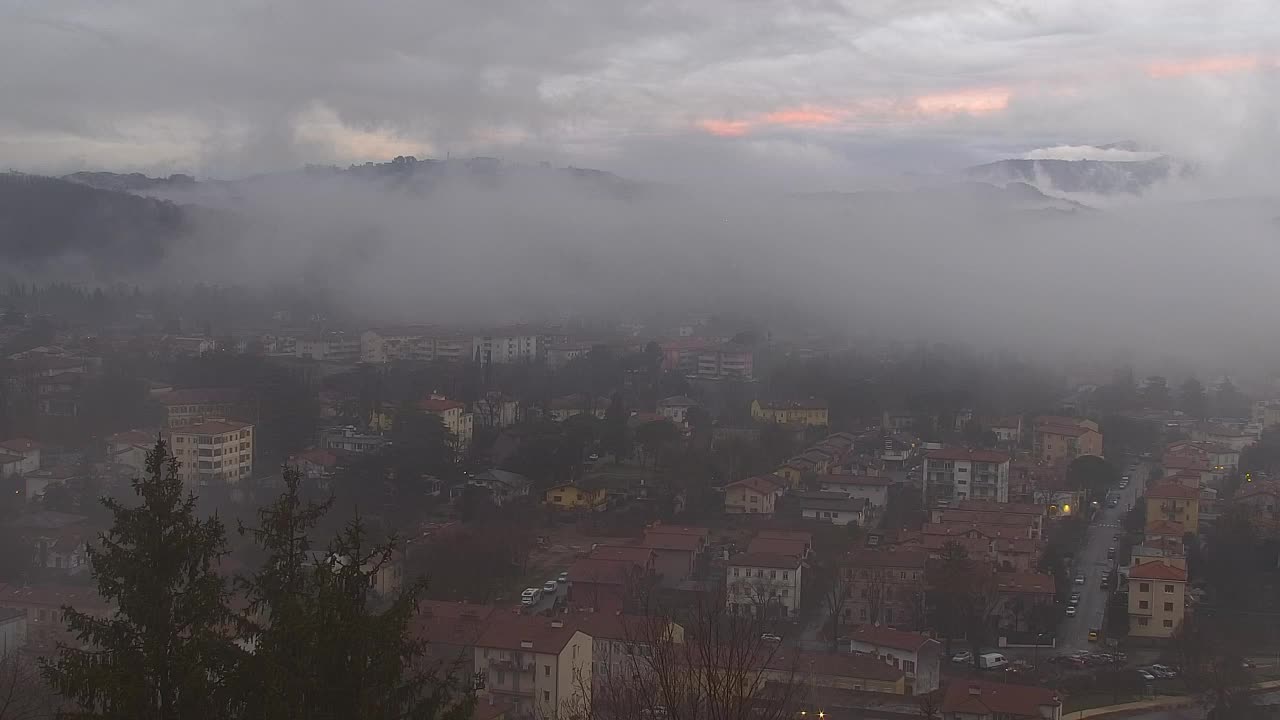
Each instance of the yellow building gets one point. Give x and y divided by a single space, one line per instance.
1063 439
1173 502
457 422
1157 598
753 495
793 412
573 497
213 451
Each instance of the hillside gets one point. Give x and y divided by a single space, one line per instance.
43 218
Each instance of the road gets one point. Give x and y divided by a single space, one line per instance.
548 600
1092 562
1271 699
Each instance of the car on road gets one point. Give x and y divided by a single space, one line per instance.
992 660
1093 634
1116 536
1146 676
1124 479
1111 553
1079 579
563 577
1075 597
1113 502
1071 611
964 656
770 637
530 596
550 586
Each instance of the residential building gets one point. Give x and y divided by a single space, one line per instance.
451 630
1266 413
453 348
813 672
885 587
955 474
872 488
676 550
676 409
753 495
1025 601
1172 501
613 578
568 496
329 347
1008 431
509 346
1261 497
27 450
781 543
502 485
36 482
348 439
967 699
1236 439
130 448
192 405
681 354
57 541
213 451
13 631
562 353
726 362
810 411
917 656
1062 439
543 666
623 645
42 604
763 585
496 410
833 507
316 464
10 465
384 345
1030 515
1157 597
457 421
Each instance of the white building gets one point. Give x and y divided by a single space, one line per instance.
28 450
213 451
767 583
508 348
383 345
954 474
872 488
676 409
542 665
916 655
497 411
329 347
833 507
13 631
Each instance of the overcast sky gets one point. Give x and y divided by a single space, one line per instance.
814 91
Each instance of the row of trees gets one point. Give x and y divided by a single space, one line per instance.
311 639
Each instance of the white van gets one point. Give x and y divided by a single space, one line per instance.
991 661
530 596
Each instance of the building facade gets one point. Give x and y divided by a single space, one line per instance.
763 585
213 452
952 475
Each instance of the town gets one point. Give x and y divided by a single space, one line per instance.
608 518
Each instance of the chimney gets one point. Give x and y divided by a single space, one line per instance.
526 644
975 690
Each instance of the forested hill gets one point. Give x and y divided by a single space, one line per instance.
43 218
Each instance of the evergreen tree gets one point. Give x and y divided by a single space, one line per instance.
164 653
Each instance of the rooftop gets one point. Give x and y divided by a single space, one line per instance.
998 507
769 560
793 404
439 405
847 665
200 396
212 427
1155 570
1172 491
761 483
777 546
966 454
19 445
529 633
864 480
888 558
888 637
634 554
986 698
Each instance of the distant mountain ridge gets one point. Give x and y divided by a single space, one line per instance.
130 182
1086 178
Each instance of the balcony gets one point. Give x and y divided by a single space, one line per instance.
521 666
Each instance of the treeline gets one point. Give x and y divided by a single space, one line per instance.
305 635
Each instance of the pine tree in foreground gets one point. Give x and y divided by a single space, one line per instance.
164 652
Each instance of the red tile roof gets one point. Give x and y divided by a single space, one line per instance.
976 517
761 483
1165 528
200 396
659 541
677 530
998 507
439 405
797 535
316 456
1069 430
769 560
1185 462
777 546
450 623
20 445
510 632
132 437
888 558
982 697
1173 490
890 638
966 454
1037 583
211 427
866 480
1157 571
845 665
600 572
1263 487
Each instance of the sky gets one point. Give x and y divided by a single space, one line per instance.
808 93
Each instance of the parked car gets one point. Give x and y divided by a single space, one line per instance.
992 661
964 656
563 577
1075 598
1093 634
550 586
530 596
1111 553
1071 611
1146 676
1079 579
770 637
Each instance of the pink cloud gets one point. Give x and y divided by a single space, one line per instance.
726 128
1210 65
976 101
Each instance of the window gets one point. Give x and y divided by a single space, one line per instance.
1144 587
773 574
546 670
1168 588
502 677
785 574
1168 623
908 666
1168 607
735 572
1143 622
1143 604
